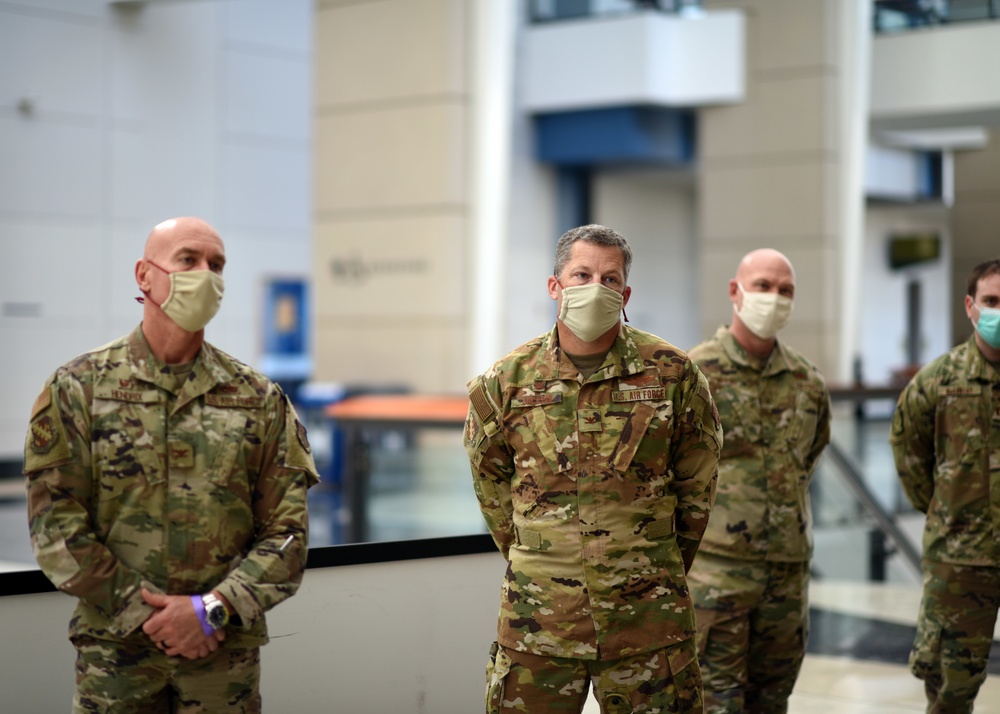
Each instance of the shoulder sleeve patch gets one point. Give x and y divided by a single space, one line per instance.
298 454
46 444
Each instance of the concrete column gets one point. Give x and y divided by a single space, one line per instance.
782 169
392 200
975 216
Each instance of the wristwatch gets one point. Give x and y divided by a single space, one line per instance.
216 613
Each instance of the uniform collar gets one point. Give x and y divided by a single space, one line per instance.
206 372
623 359
978 367
775 363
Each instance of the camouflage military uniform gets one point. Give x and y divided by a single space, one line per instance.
136 481
750 580
597 493
946 443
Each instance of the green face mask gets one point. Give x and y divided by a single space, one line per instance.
590 310
988 325
195 297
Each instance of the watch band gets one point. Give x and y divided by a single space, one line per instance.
199 610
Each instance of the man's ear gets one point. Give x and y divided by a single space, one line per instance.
141 270
553 286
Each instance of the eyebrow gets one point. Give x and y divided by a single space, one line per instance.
215 257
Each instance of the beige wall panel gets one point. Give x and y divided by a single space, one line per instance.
795 34
405 157
764 203
390 267
813 344
977 173
425 355
975 229
813 264
389 50
785 115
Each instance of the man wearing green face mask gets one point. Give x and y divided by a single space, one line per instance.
946 443
167 492
594 453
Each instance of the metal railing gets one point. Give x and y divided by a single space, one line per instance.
557 10
904 15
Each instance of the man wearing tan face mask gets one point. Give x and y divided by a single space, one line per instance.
593 452
167 492
750 579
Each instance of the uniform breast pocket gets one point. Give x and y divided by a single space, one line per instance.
541 439
124 446
802 423
227 447
643 441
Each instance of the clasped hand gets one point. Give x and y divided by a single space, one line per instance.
175 629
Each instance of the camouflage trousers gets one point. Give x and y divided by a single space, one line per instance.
666 680
753 623
958 612
122 678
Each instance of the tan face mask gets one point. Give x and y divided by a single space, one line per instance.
195 297
590 310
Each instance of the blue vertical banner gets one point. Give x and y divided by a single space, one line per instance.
286 329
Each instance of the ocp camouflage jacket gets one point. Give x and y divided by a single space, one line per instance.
946 443
130 486
777 422
597 493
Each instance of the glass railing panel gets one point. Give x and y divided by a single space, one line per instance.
864 527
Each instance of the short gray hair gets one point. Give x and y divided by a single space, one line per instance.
593 233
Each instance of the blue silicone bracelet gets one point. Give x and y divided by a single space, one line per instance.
199 610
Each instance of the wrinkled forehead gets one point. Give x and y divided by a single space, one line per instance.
183 235
589 254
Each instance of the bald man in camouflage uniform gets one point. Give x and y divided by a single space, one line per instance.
946 443
594 451
750 579
161 470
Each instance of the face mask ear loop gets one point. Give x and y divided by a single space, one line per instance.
624 314
141 299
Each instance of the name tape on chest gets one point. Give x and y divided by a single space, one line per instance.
639 395
135 396
960 391
225 400
536 400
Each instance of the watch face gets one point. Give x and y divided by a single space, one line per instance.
215 615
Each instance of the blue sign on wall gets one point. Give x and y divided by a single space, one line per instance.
286 329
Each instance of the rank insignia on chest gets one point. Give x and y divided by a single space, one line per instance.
43 435
181 454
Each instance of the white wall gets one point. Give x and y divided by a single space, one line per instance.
114 119
883 299
409 636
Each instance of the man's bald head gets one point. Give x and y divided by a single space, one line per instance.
167 235
767 261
